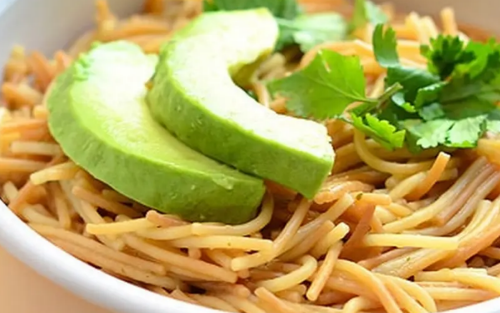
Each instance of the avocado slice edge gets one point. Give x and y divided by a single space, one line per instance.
194 95
99 116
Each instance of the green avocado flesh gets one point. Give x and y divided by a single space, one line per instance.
99 116
195 96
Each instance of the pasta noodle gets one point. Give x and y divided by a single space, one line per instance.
324 272
388 232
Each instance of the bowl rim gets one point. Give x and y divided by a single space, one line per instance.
100 288
81 279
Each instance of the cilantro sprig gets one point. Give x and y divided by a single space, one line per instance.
306 31
311 92
303 30
331 83
451 103
463 104
366 12
310 30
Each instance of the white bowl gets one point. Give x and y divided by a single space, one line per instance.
49 25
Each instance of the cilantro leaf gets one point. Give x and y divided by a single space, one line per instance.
456 125
428 94
431 112
374 106
311 30
428 134
381 130
458 110
483 82
465 132
328 85
399 100
444 54
450 104
285 38
493 122
366 12
305 30
467 108
287 9
481 53
209 6
325 87
412 79
283 10
384 46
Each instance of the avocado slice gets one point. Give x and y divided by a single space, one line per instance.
195 96
99 115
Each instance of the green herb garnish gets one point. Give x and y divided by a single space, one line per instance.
332 78
310 30
462 106
451 103
366 12
306 31
287 9
384 46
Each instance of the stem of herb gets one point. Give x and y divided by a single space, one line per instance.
389 92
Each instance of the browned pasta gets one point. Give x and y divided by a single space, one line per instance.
120 268
324 272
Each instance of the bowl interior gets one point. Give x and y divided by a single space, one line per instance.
50 25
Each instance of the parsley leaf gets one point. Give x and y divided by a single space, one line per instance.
384 46
366 12
311 30
325 87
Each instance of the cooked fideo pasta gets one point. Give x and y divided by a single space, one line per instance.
389 231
